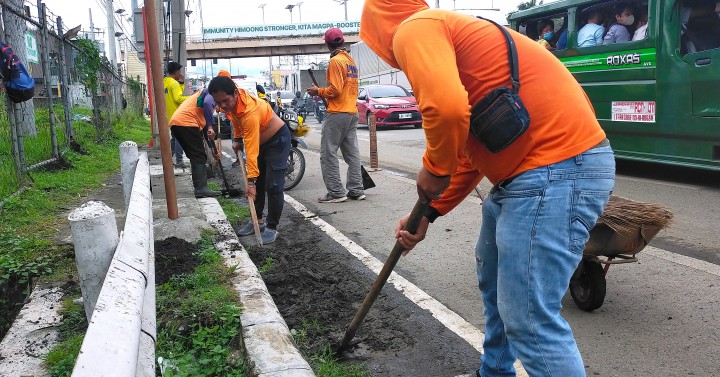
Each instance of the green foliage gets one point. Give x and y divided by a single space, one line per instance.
234 211
134 86
266 266
29 221
61 360
325 364
88 63
199 320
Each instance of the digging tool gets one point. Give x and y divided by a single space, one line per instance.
368 182
228 191
251 202
392 259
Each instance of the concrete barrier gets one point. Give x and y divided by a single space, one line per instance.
95 235
120 340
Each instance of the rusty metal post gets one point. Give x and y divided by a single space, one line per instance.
372 126
153 47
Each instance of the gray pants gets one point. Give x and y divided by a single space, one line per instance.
339 131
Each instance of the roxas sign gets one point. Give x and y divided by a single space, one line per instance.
618 60
626 59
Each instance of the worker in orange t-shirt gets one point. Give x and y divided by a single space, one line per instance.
267 147
339 129
552 177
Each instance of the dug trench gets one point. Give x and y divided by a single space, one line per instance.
318 286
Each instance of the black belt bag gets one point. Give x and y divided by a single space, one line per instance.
500 118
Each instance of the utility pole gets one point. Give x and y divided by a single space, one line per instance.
179 35
15 31
112 52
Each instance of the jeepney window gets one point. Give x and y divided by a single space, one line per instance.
612 22
700 28
550 31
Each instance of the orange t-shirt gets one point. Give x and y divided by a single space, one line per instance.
459 60
251 116
189 114
342 90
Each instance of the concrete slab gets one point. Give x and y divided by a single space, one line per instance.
186 228
32 335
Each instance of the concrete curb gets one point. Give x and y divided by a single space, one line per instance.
268 347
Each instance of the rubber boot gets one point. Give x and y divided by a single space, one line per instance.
199 178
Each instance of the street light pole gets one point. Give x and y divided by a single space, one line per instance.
299 10
262 6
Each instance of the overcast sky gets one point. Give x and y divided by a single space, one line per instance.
246 12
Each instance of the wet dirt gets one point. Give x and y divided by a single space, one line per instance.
174 256
318 287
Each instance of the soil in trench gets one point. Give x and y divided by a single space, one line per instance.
318 287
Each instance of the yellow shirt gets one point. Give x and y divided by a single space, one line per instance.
173 95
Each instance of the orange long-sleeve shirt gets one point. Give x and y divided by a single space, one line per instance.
251 116
452 61
342 91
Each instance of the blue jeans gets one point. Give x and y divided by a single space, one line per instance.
176 149
532 237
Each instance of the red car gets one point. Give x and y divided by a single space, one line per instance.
392 105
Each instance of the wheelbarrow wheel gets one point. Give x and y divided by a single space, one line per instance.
587 286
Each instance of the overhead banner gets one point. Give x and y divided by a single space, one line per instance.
252 31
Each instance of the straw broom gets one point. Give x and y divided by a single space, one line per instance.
627 217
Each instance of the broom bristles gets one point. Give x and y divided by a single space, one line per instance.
627 217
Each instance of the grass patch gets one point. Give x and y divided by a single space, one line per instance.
61 360
234 211
29 221
324 363
199 320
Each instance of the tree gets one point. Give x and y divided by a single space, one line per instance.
526 5
87 64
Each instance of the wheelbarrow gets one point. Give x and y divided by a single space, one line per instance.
608 246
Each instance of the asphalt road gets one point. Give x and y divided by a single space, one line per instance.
660 315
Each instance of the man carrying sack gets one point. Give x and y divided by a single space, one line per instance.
552 168
339 130
267 146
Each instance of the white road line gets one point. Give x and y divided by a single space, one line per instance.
447 317
656 182
228 156
686 261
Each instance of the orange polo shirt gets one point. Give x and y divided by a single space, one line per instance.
452 61
251 116
342 90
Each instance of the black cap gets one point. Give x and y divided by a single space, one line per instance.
173 67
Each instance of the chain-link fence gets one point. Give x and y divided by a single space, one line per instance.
73 84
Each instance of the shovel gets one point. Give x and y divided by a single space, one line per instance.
392 259
251 202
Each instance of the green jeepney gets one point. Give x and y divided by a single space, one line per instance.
657 97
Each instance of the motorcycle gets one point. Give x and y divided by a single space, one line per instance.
296 159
